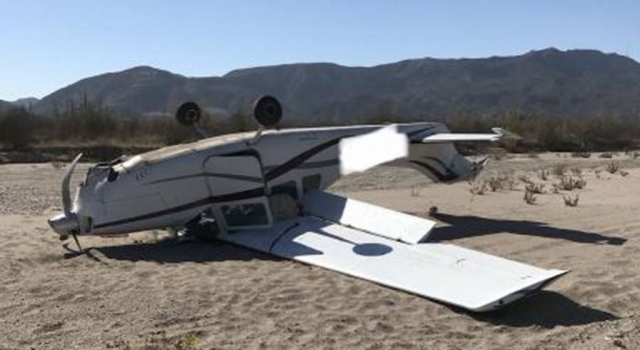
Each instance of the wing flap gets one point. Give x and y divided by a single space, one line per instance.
446 273
367 217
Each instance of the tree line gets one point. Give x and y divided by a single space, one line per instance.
87 125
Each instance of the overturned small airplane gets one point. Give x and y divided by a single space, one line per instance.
264 191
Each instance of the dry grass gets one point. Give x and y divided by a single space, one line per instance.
607 155
569 183
503 181
543 174
582 154
576 171
478 187
613 167
525 179
559 169
158 341
497 153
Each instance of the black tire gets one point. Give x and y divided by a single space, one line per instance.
267 111
188 113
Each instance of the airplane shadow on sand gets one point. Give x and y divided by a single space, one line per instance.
471 226
170 251
545 309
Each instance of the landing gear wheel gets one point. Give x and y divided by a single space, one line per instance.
433 210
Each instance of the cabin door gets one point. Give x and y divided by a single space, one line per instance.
238 191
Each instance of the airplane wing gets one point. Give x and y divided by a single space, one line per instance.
498 134
338 238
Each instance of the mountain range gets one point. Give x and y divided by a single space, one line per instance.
558 83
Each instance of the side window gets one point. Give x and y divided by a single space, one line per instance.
246 214
311 182
288 187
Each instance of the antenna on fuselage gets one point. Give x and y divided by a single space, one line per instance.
189 114
267 111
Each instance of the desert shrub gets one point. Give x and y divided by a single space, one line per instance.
529 197
478 187
559 169
613 167
16 129
581 154
571 201
157 340
503 181
535 188
543 174
570 183
624 173
524 179
498 153
606 155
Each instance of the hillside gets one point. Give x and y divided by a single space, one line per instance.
26 102
557 83
4 105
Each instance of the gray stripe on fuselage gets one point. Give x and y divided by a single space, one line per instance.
310 165
253 179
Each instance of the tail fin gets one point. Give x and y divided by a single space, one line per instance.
442 163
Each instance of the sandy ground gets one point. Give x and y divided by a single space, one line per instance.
136 292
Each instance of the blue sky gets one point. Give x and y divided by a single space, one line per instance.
46 45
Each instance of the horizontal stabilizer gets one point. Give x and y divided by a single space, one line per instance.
442 272
367 217
498 134
446 137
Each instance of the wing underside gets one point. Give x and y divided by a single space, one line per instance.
442 272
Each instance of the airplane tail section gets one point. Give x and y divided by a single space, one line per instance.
432 152
441 162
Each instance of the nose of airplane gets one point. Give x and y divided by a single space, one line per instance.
65 224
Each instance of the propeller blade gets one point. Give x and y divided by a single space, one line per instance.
75 238
66 193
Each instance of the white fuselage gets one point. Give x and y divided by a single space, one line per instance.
234 175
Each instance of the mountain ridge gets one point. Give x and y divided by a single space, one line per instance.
550 81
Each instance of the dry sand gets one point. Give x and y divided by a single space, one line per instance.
135 292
